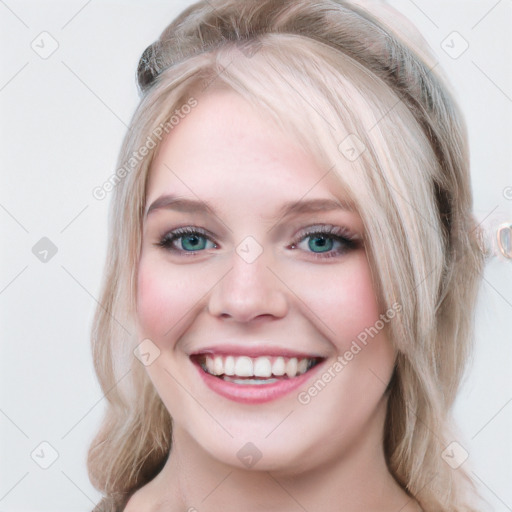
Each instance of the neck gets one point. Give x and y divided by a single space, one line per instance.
357 479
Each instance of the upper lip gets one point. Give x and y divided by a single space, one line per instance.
254 351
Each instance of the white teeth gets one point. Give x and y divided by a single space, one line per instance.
244 367
209 364
263 367
291 367
278 367
218 365
229 366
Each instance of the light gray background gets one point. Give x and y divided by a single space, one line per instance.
62 121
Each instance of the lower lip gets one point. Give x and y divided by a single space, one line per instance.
255 393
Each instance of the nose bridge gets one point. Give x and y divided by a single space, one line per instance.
249 289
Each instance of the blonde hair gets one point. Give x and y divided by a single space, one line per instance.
327 72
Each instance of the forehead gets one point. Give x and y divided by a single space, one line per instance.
226 148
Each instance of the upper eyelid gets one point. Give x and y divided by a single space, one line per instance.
311 229
327 229
184 230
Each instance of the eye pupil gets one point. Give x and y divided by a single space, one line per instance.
321 242
194 242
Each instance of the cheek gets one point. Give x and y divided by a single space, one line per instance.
163 298
344 299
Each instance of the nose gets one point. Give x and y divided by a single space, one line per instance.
248 291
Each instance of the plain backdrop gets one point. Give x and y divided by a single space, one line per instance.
62 119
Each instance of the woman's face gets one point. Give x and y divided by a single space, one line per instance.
253 270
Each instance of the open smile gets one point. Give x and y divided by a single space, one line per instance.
254 379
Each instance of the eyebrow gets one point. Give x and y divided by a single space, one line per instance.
181 204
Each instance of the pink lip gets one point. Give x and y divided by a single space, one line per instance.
237 350
257 393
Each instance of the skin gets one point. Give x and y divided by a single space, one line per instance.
325 455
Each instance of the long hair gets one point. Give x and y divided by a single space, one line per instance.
327 72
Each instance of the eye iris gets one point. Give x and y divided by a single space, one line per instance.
196 242
323 242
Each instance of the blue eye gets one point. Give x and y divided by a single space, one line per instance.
192 240
324 241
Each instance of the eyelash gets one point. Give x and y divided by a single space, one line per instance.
337 233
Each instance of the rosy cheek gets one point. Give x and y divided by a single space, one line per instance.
150 303
363 304
346 304
159 300
166 298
